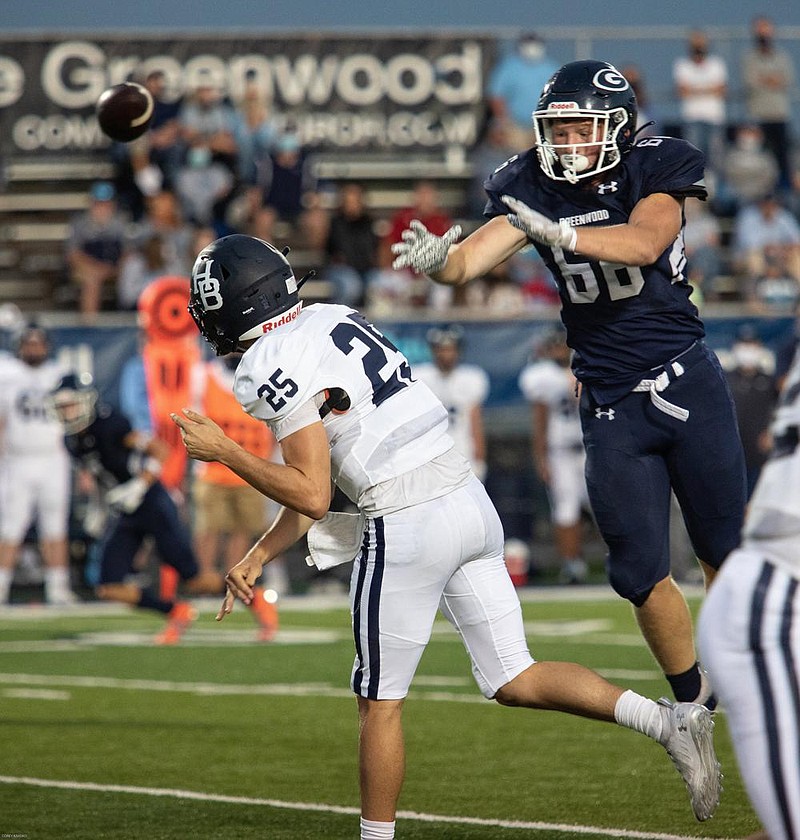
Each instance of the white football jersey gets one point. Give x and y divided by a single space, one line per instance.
773 514
547 382
28 427
459 390
392 423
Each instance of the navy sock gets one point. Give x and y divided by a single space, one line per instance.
686 686
149 601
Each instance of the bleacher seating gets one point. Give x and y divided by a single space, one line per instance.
42 195
40 198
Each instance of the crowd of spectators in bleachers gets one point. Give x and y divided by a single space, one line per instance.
213 164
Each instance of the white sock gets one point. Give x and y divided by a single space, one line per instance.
6 576
56 583
373 830
640 713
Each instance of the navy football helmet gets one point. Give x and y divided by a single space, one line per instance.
33 345
586 90
240 284
450 334
74 402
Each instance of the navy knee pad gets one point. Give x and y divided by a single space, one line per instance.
622 585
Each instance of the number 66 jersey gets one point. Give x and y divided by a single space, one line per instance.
380 422
621 320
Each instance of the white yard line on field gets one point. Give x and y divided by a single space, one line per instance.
274 689
597 831
600 593
36 694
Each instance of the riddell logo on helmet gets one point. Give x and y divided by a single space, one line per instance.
285 318
563 106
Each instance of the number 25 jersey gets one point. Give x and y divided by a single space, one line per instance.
621 320
387 425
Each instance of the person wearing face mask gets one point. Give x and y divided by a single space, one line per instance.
513 86
751 378
203 186
749 171
769 75
701 82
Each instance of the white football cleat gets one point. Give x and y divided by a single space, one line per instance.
688 737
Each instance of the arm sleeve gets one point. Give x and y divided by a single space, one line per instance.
133 398
305 415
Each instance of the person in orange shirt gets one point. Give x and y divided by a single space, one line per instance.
228 512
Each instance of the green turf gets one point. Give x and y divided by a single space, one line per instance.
225 716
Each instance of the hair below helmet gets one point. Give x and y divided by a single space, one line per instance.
239 286
585 90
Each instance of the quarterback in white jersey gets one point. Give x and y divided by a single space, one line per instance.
462 389
558 452
346 409
749 630
34 465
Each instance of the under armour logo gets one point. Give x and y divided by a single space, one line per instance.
607 413
610 187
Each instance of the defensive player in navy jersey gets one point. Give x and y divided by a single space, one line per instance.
125 465
605 212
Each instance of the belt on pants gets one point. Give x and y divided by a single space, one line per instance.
671 371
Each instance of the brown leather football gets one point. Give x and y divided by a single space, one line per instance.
124 111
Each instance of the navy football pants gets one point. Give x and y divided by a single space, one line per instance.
636 454
158 518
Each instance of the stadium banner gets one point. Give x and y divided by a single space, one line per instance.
375 92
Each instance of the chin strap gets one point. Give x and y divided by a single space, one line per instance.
285 251
639 130
307 276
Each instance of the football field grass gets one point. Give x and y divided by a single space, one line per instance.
104 735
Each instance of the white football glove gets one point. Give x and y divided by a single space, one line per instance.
539 227
423 251
126 497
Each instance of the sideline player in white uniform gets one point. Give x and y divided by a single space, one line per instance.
34 466
749 630
549 385
462 389
343 403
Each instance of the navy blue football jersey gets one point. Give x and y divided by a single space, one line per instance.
101 448
621 320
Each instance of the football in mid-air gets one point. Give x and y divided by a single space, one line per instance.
124 111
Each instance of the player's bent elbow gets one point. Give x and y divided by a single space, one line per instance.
316 505
650 254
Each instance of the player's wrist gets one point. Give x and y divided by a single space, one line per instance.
568 236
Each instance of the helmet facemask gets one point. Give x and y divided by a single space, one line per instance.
568 161
74 408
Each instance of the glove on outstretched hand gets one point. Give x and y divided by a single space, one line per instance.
423 251
126 497
539 227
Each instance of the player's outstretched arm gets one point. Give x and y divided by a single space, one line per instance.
302 482
454 263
